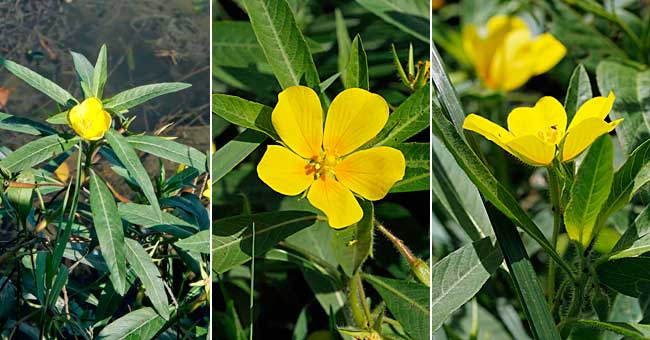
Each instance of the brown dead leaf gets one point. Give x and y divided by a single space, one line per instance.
4 95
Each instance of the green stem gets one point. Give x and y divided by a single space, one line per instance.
252 288
554 188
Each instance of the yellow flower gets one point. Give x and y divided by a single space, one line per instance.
324 161
507 55
89 120
536 133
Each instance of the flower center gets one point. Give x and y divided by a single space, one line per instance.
322 165
549 134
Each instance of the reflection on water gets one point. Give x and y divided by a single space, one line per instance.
148 41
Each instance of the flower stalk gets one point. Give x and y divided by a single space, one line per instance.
419 267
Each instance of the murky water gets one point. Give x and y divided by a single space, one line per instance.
148 41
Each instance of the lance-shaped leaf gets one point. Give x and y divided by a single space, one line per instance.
244 113
579 91
138 95
407 301
39 82
148 273
24 125
84 70
37 151
631 176
235 151
410 16
590 190
110 233
459 276
125 153
141 324
283 44
356 71
170 150
629 276
199 242
410 118
100 73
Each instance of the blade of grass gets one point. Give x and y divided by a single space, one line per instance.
525 280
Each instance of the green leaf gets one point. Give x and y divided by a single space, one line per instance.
457 194
356 70
85 71
445 93
283 44
459 276
141 324
244 113
100 73
410 118
24 125
60 118
343 41
352 245
632 90
21 198
131 162
629 276
636 239
37 151
579 91
148 273
232 236
57 286
590 190
138 95
416 177
199 242
525 280
147 216
627 329
110 233
234 152
39 82
407 301
410 16
170 150
627 180
234 44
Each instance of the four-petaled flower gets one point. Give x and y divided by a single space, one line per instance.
507 55
536 133
325 161
89 120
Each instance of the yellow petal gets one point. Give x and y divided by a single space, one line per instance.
372 172
499 25
89 120
511 65
547 52
298 120
476 49
546 120
580 136
532 150
336 201
354 117
597 107
284 171
488 129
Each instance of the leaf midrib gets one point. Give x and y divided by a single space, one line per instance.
284 54
399 294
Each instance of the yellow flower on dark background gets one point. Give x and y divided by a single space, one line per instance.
89 120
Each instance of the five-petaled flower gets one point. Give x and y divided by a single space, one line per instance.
507 55
537 133
325 161
89 120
